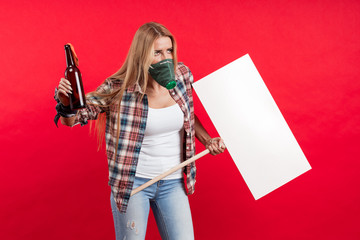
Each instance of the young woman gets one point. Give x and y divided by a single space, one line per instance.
145 111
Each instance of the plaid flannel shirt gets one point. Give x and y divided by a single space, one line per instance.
133 117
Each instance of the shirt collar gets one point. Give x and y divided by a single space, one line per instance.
135 88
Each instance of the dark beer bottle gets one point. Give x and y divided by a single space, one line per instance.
72 73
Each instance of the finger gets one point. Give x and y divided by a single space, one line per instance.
63 89
219 142
63 92
222 144
221 150
217 145
211 149
64 86
65 82
216 149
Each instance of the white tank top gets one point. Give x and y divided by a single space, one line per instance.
162 145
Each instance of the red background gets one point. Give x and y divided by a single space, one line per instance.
54 182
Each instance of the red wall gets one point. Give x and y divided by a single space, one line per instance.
54 182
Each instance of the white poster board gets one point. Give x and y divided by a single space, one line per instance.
255 133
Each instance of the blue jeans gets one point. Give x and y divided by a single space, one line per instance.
170 205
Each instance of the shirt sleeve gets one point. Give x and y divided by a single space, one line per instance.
190 76
94 105
186 75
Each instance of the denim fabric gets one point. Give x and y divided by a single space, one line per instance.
170 205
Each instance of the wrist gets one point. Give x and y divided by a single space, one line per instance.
65 111
62 110
208 141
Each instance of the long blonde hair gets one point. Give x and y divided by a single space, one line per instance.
133 71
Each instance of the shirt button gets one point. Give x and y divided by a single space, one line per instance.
173 93
187 148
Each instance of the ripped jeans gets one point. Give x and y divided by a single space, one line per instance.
170 205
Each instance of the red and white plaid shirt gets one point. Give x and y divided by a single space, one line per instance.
133 117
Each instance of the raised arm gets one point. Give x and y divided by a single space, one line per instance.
94 105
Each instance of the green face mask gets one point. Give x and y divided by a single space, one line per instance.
163 73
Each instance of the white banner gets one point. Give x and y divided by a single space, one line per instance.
255 133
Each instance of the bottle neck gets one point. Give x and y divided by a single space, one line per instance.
69 56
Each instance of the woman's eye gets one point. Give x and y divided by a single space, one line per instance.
169 50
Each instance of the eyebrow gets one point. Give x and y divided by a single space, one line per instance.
158 50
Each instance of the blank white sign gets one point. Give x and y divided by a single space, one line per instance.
255 133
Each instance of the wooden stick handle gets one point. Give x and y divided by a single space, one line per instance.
170 171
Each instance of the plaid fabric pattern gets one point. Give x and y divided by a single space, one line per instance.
133 117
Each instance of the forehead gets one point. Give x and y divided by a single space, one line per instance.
162 43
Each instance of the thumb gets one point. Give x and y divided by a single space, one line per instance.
221 143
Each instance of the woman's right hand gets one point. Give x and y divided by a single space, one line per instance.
64 90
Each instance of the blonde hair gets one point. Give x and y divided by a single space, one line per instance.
133 71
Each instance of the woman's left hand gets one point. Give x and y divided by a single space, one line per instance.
215 145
